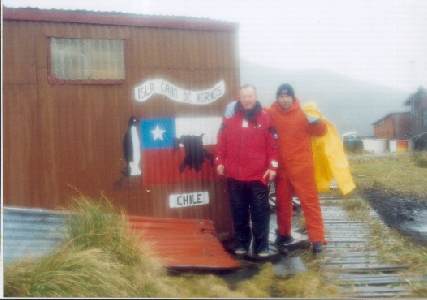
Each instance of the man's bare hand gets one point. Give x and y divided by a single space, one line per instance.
269 175
220 170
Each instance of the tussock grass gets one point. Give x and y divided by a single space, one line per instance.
97 224
100 259
420 158
204 285
67 273
314 283
310 284
399 173
357 208
259 286
419 289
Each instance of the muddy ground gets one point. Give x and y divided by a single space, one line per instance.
406 213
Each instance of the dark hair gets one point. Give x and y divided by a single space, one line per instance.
286 89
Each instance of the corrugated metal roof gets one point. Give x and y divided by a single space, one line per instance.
115 18
180 243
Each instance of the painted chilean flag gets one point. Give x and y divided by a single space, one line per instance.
178 149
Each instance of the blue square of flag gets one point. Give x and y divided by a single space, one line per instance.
157 133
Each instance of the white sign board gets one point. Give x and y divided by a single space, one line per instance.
188 199
150 87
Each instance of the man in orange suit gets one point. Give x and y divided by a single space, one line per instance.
295 175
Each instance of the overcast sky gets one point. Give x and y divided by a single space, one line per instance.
381 41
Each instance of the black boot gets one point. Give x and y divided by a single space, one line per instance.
317 248
282 240
286 243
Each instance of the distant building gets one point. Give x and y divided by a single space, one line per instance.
405 129
393 126
418 111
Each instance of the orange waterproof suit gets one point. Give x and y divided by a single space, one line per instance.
296 169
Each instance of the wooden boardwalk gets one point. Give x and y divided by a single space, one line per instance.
350 260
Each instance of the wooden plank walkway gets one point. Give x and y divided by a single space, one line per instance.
350 259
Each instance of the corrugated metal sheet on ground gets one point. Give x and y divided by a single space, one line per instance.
31 233
181 243
184 243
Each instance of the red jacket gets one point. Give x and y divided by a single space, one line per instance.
247 149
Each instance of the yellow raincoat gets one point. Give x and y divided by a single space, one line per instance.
330 161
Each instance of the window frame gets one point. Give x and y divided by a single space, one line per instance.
52 79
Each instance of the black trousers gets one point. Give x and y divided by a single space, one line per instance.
250 199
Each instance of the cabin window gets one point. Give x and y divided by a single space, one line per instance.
87 59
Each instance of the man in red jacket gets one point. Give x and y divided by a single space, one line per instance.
247 156
296 173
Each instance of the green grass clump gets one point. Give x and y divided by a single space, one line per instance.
260 285
100 258
357 208
311 283
419 289
67 273
398 173
203 285
420 158
307 285
97 224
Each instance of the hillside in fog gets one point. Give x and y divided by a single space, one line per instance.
351 104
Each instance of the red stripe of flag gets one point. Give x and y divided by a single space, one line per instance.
161 166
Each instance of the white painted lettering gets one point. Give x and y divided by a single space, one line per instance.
188 199
163 87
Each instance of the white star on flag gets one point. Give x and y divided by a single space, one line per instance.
157 133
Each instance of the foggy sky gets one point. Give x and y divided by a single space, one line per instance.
380 41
